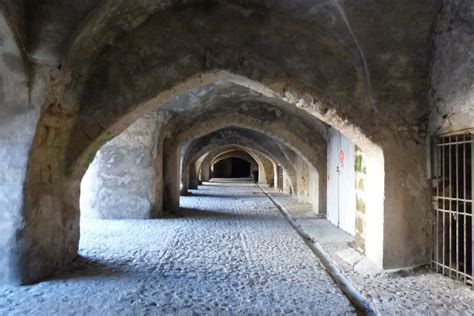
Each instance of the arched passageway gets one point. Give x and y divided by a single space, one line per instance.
299 97
125 110
231 168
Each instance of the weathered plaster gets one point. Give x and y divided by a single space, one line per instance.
120 182
19 113
452 74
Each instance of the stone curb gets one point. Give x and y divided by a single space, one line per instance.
355 296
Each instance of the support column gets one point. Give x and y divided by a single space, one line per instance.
171 176
275 176
193 177
185 180
157 209
403 230
314 192
261 175
205 171
120 182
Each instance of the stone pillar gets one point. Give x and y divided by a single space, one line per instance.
193 177
275 176
185 179
158 171
205 171
314 193
262 179
287 184
120 182
406 224
171 176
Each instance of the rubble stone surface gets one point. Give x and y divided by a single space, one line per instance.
229 251
417 292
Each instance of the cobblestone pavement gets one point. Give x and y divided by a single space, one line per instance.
421 292
229 252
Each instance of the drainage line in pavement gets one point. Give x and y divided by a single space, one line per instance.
357 299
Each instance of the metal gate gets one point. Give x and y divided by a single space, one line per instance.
453 231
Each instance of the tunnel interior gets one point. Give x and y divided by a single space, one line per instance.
232 168
353 119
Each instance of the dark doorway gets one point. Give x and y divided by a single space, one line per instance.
232 168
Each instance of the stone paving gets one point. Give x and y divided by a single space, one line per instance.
421 292
229 251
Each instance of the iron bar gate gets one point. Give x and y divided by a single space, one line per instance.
453 230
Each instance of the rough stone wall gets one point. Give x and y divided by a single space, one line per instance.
50 24
15 12
452 75
19 112
302 184
120 182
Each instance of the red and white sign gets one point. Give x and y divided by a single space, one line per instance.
341 158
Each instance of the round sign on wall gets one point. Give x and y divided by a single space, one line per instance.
341 158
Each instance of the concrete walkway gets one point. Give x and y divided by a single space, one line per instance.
405 292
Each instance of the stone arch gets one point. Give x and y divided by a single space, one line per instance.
208 160
239 154
203 164
244 155
309 143
98 31
312 149
75 171
398 150
264 162
221 140
52 185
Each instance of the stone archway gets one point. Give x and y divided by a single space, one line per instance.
76 171
248 140
234 165
264 164
89 118
203 164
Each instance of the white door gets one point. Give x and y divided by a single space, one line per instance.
333 177
341 182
